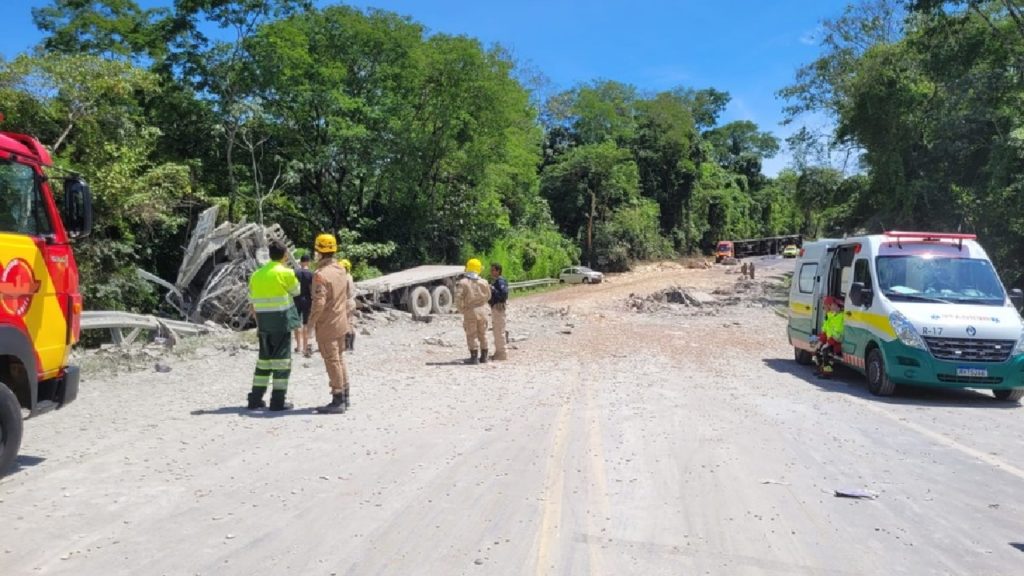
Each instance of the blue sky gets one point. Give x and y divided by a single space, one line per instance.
747 48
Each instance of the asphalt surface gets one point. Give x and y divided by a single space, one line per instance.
681 441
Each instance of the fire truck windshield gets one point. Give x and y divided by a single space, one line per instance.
22 210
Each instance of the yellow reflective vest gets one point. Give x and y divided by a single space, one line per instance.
272 289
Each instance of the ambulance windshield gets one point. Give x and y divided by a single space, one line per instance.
941 280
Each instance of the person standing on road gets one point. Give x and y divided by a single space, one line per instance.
329 318
350 337
272 289
303 302
472 293
830 342
499 298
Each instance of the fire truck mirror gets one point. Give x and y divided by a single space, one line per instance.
77 207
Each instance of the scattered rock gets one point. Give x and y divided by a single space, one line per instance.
437 341
162 368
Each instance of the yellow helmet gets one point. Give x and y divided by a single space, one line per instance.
348 265
326 244
474 266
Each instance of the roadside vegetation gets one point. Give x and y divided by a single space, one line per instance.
425 147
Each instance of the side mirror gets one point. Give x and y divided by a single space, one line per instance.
860 295
77 207
1017 298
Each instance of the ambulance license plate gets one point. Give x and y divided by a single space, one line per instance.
972 372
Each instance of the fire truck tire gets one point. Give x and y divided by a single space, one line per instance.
442 300
420 302
10 428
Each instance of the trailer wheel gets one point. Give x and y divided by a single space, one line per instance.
878 381
10 427
441 298
1009 395
419 301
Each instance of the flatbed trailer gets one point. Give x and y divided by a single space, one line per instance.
421 290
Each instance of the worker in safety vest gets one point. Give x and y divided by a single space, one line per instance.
472 293
329 318
350 338
499 298
272 289
830 342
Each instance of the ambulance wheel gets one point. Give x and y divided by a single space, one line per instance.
10 427
420 302
1009 395
442 299
802 357
878 381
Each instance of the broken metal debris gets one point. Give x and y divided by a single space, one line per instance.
212 283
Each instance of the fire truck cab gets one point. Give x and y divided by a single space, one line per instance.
40 303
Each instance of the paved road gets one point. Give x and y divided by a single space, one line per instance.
681 442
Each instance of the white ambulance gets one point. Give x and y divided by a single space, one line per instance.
920 308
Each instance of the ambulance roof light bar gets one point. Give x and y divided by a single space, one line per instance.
931 237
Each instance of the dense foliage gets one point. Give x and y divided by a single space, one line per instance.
415 147
929 95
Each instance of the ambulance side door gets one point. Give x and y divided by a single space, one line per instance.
855 339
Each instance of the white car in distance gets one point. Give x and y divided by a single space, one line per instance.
580 275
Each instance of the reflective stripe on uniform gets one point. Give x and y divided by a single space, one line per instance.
272 304
261 380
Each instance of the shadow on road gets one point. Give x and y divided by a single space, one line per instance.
846 381
23 462
243 411
1018 545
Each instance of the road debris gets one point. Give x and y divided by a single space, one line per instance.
212 283
856 493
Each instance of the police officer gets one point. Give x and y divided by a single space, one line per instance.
472 293
499 297
329 318
272 289
350 338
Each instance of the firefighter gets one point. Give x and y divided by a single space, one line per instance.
472 293
350 337
499 297
329 319
303 302
830 341
272 289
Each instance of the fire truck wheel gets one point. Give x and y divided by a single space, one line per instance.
10 427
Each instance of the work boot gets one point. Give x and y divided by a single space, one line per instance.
350 342
347 404
308 352
277 403
483 356
256 398
337 405
473 358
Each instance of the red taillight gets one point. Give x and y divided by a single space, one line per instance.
75 325
856 248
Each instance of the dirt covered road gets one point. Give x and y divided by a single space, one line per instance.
626 435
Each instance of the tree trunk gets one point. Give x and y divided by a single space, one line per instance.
232 185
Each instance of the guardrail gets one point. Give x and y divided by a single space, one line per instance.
116 322
531 283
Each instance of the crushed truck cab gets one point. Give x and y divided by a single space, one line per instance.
40 302
920 308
